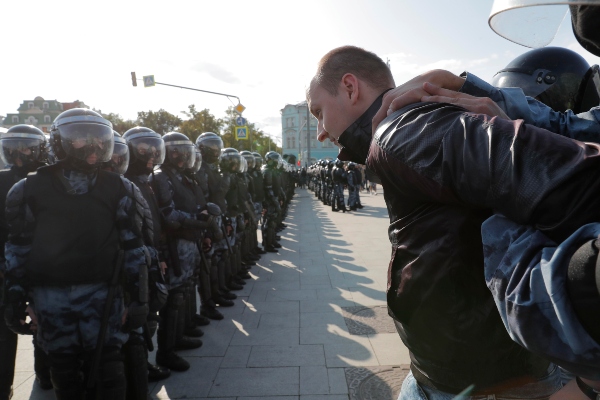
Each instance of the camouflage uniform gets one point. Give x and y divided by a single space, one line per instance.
69 316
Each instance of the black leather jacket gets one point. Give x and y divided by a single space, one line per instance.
430 159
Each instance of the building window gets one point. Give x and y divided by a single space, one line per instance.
293 142
15 119
47 118
30 105
45 105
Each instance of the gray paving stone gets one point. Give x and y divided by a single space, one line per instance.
314 380
286 356
196 381
273 307
324 319
267 336
236 357
325 305
256 382
350 354
286 295
324 397
337 381
269 398
280 320
214 342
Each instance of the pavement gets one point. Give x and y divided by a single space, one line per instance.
310 325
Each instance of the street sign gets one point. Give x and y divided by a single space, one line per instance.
149 81
241 133
240 121
239 108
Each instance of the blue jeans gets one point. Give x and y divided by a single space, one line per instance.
542 389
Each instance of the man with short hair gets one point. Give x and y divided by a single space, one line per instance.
442 309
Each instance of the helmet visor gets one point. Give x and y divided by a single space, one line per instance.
119 160
21 151
92 143
181 155
197 161
149 150
589 94
211 149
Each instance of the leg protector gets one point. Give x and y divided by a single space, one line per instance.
167 330
8 353
67 378
136 367
112 374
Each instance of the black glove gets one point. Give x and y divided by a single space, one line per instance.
137 314
15 312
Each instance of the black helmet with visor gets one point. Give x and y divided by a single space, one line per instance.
146 149
180 150
23 146
210 145
119 161
82 138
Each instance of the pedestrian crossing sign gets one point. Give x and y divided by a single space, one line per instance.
149 80
241 133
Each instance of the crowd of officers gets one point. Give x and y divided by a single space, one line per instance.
107 238
327 179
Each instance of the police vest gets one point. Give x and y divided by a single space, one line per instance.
75 237
183 197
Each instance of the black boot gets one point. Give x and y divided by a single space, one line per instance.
227 295
172 361
157 373
211 312
201 320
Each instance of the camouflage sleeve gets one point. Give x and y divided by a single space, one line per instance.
130 219
526 273
20 233
164 196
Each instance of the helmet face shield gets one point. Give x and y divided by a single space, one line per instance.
88 142
589 93
197 161
21 151
210 147
149 150
119 160
181 154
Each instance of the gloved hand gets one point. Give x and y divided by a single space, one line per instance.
15 312
137 314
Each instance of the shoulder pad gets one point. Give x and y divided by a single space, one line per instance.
16 194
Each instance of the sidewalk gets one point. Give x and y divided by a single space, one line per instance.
311 325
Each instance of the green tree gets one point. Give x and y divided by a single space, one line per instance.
160 121
119 124
199 122
257 139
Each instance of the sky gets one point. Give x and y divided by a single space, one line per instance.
264 52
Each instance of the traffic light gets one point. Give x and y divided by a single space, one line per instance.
133 79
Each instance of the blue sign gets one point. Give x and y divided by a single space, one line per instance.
240 121
241 133
149 80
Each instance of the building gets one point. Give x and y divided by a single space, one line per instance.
294 131
39 112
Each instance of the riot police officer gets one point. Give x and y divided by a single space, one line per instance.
81 230
23 151
273 207
339 178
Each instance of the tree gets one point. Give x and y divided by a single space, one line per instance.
160 121
199 122
257 139
119 124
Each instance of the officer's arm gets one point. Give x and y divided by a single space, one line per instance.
164 197
20 234
584 126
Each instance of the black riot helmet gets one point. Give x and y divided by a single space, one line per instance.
558 77
351 166
120 156
231 160
339 163
330 164
23 146
249 159
258 161
146 149
82 138
210 145
272 159
180 151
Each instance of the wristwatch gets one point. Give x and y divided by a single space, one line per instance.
587 389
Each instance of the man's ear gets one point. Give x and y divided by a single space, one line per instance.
350 87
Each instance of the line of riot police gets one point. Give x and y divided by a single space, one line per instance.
107 240
327 180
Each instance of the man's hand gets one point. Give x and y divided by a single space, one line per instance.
163 267
477 105
15 315
412 92
34 321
